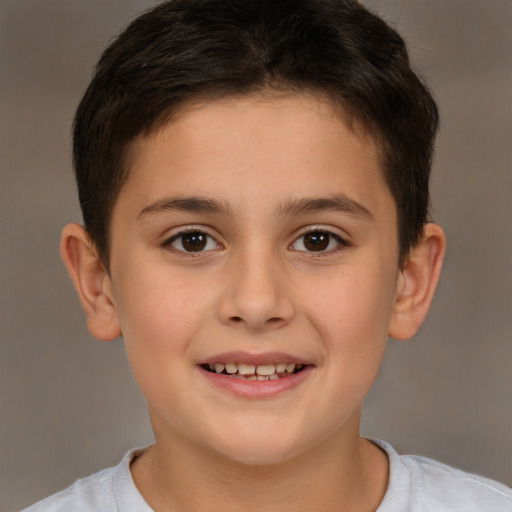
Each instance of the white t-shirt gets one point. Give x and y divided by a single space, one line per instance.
416 484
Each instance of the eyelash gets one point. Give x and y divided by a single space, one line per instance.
191 231
340 242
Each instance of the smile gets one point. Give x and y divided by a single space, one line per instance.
263 372
256 376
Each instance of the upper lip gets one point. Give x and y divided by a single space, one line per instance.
255 359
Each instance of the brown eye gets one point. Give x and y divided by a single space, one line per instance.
192 241
316 241
319 241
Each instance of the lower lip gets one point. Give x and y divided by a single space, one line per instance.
256 389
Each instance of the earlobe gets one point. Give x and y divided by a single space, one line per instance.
92 282
417 283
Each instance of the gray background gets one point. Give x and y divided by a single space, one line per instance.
68 404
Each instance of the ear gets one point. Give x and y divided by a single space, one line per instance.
92 282
417 283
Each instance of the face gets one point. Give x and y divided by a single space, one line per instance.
254 268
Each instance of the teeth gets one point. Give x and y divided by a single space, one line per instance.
231 367
266 369
290 367
246 369
253 372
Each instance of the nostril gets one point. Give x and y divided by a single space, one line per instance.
270 321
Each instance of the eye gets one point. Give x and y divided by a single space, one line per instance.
192 241
319 241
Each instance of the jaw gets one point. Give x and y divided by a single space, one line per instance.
256 439
255 423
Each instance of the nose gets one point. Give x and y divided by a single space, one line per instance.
256 293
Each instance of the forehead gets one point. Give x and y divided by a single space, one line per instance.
282 147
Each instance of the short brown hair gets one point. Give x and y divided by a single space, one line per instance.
187 49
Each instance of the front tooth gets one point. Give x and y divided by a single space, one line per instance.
290 367
246 369
231 367
266 369
280 367
219 367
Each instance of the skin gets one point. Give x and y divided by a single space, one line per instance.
256 286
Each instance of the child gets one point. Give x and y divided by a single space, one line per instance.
253 177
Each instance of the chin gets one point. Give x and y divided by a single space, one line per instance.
260 448
256 457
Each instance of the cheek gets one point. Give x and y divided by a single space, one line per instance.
355 338
352 314
159 320
159 315
155 298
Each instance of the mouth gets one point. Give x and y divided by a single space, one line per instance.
256 376
252 372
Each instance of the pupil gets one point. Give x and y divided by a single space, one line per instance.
317 241
194 242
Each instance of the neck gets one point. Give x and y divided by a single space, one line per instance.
345 473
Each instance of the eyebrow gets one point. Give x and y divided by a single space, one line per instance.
338 203
192 204
198 204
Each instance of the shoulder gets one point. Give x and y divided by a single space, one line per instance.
110 490
441 484
94 493
422 484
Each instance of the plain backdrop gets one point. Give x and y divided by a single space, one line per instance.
68 404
